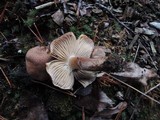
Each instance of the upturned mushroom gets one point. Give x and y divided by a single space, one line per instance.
36 59
69 53
68 59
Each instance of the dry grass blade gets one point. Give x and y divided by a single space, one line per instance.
4 59
3 36
59 90
133 88
136 53
40 36
3 99
8 81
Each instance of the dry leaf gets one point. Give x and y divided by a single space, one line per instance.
109 112
155 24
104 101
58 17
134 71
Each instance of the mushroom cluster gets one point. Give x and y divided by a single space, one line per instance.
68 59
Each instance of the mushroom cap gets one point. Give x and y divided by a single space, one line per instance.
64 49
36 59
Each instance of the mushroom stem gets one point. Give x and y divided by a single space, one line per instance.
91 64
107 64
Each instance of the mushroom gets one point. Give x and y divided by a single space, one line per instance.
36 59
72 60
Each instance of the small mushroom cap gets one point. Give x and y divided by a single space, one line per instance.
36 59
67 46
85 77
61 74
64 49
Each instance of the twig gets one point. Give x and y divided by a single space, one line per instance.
44 5
133 41
4 97
119 113
3 36
152 88
109 1
149 56
83 113
8 81
2 14
36 35
141 98
4 59
153 48
40 36
59 90
136 52
133 88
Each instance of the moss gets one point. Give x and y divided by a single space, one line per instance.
31 18
60 104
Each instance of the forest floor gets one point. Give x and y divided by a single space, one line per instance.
126 28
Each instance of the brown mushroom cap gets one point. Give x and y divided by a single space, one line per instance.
36 59
66 49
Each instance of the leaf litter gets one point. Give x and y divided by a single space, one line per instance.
127 29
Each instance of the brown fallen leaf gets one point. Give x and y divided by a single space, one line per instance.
134 71
95 103
58 17
109 112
